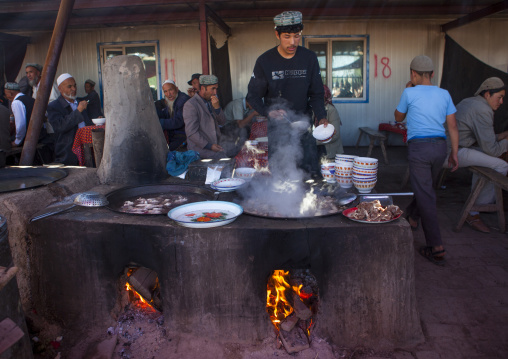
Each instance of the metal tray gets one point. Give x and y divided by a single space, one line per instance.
17 179
117 198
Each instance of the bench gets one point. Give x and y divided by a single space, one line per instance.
500 183
14 151
373 136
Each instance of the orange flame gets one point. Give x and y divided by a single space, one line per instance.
277 304
140 301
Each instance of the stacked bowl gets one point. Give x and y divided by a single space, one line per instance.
344 170
328 172
344 173
365 173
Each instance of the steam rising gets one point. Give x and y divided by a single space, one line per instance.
284 192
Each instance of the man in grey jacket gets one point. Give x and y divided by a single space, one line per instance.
202 115
478 144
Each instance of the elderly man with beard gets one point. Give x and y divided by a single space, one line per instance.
170 112
66 115
202 115
33 74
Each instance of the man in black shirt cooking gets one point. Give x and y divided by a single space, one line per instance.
287 77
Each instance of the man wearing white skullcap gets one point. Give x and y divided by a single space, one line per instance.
33 74
65 115
170 112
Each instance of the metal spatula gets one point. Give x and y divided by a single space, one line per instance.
85 199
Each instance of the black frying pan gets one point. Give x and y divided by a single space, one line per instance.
193 193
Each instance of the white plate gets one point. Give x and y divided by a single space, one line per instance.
228 183
225 189
205 214
322 133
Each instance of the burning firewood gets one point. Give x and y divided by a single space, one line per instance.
289 323
295 340
301 310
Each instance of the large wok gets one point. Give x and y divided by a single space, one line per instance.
193 193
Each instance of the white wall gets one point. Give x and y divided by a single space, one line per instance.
397 40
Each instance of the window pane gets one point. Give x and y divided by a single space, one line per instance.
147 55
347 69
320 49
112 53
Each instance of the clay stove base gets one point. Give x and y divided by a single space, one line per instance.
213 281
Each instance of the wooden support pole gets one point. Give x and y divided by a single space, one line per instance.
46 82
204 37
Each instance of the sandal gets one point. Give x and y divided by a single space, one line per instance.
409 219
477 224
435 257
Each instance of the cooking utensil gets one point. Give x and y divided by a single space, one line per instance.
393 194
346 198
85 199
191 192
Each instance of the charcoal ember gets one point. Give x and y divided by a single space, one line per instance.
295 340
301 310
289 323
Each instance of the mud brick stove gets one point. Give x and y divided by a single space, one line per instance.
213 281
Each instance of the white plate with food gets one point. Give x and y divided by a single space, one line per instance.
205 214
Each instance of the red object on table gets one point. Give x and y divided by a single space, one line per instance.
254 157
83 135
397 128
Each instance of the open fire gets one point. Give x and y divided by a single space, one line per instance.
143 288
292 303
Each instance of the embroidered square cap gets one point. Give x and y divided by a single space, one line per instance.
208 80
288 18
11 86
90 82
422 63
490 84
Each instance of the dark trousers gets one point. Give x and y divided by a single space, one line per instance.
426 158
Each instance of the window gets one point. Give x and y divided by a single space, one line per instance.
147 51
344 65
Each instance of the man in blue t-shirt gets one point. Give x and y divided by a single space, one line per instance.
427 108
287 79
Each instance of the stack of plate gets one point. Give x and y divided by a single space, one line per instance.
365 173
227 184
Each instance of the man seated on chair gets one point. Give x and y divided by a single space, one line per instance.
170 112
66 115
478 144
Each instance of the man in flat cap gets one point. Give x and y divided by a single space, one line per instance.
66 115
93 109
478 144
427 108
21 106
202 115
194 85
288 77
170 112
33 74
